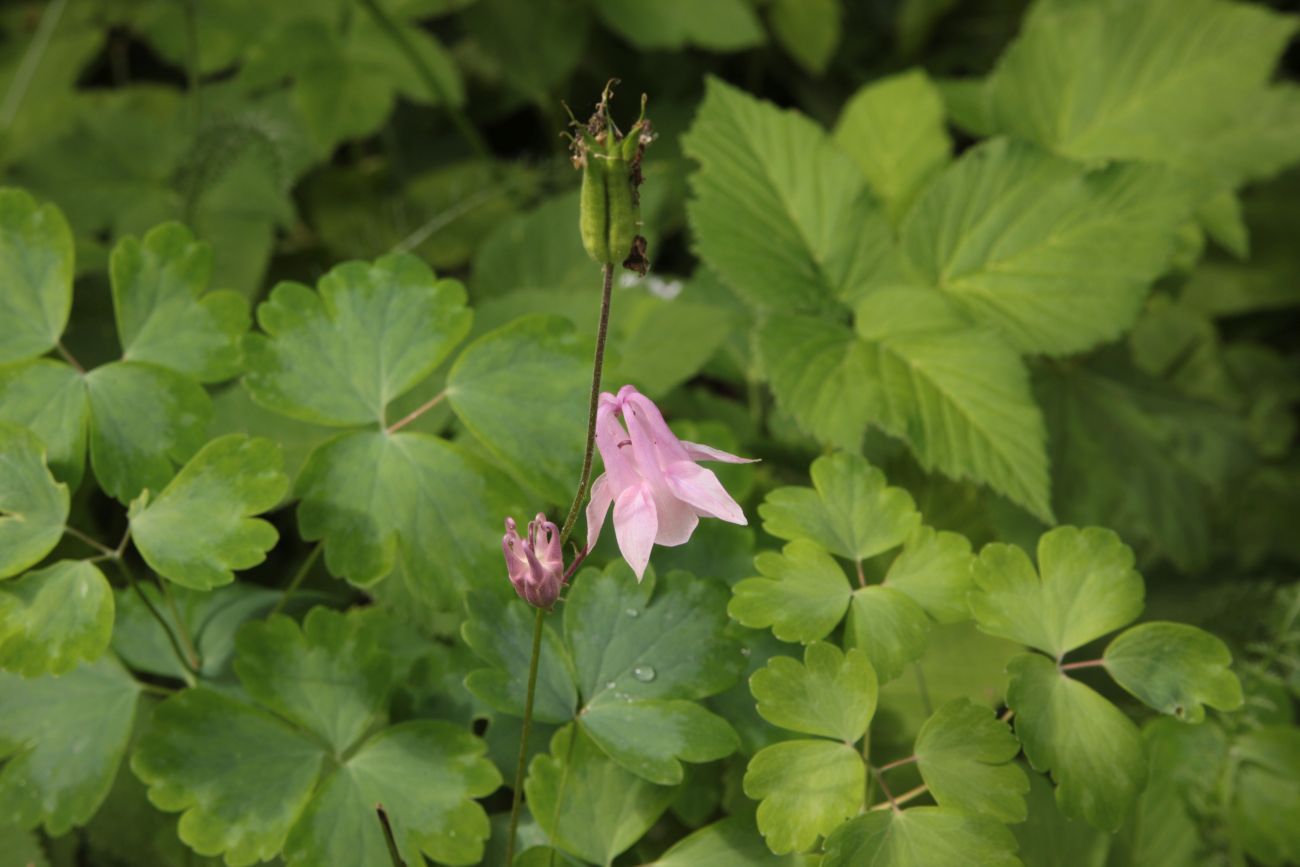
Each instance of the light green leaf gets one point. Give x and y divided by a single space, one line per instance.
732 842
501 633
382 500
887 626
1093 751
33 507
958 396
371 334
720 25
964 753
1055 257
161 318
832 694
144 419
772 200
803 595
649 737
198 529
1088 588
330 676
49 398
55 617
1049 839
817 369
849 511
588 804
522 390
1268 794
808 29
1174 668
807 789
934 569
36 252
86 713
921 837
426 775
894 129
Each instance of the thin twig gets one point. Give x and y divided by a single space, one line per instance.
99 546
417 412
897 763
297 579
895 803
182 629
68 357
862 577
188 671
1087 663
393 854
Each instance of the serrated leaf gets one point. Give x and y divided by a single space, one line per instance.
144 419
369 335
964 754
934 569
802 596
807 790
731 842
1092 749
36 255
817 368
1057 258
894 129
794 192
921 837
199 529
653 737
587 804
501 634
44 721
721 25
809 31
53 618
832 693
887 626
49 398
33 507
522 390
380 501
1088 587
1174 668
163 313
849 511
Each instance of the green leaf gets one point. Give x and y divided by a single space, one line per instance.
934 569
1049 839
425 774
1174 668
144 419
1088 588
964 753
198 529
1268 794
1093 751
55 617
894 130
1112 79
161 318
772 202
721 25
341 355
380 501
807 789
501 634
649 737
921 837
49 398
803 595
537 45
587 804
36 252
808 29
849 511
832 694
1057 258
958 396
731 842
86 713
887 626
522 390
33 507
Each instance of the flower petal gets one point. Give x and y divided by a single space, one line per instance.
612 440
677 519
701 488
649 432
597 508
636 524
698 452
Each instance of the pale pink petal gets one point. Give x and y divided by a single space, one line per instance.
677 519
697 452
597 508
636 525
701 488
615 450
640 412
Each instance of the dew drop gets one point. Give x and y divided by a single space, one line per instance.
644 673
745 651
633 613
609 684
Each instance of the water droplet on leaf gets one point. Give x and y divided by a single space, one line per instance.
644 673
633 613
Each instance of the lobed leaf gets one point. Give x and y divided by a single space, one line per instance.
920 837
802 596
33 506
53 618
36 270
1175 668
806 788
964 753
49 398
832 694
888 627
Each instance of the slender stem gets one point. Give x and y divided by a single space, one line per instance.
1006 715
923 688
31 62
417 412
866 761
68 357
520 766
909 795
1087 663
404 44
154 688
444 218
884 787
897 763
182 629
393 854
157 615
297 579
90 540
862 577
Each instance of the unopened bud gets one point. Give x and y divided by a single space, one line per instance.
535 564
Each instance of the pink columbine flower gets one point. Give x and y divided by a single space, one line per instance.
535 564
651 477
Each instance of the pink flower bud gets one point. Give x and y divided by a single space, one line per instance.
535 564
